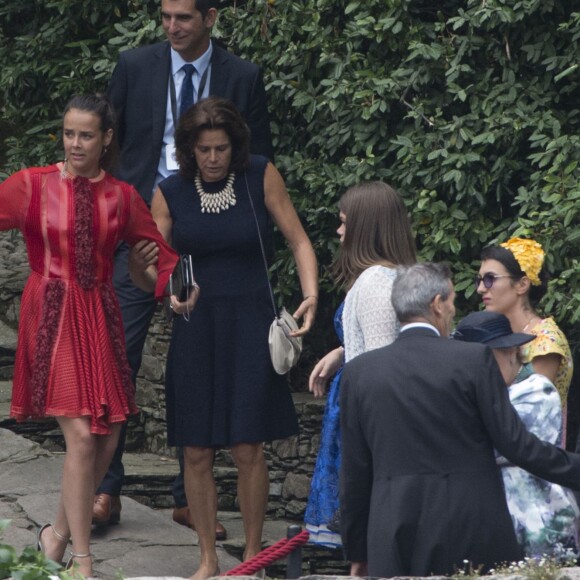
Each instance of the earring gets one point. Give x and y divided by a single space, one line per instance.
63 171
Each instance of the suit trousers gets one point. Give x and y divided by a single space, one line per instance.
137 308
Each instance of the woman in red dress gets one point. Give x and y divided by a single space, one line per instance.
70 361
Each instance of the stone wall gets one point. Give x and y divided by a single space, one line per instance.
13 273
291 461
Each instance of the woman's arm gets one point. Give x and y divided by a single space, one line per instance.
550 354
142 265
144 254
547 365
162 217
324 370
140 226
15 194
285 217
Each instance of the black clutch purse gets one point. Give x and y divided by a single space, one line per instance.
181 284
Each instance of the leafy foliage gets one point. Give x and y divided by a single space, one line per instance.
469 109
30 565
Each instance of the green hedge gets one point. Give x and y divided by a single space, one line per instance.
471 110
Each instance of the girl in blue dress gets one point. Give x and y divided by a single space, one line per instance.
375 236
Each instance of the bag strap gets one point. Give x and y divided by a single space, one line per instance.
276 315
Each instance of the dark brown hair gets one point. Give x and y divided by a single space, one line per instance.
378 231
100 106
211 113
204 5
508 260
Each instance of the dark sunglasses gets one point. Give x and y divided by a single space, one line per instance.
488 279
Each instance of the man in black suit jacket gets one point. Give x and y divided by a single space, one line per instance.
145 91
141 95
420 418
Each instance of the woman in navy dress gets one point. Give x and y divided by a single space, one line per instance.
221 388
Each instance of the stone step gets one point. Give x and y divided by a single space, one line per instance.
291 461
148 479
315 559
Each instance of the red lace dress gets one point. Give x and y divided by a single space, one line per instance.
71 359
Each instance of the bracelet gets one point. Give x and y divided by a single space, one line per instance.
311 296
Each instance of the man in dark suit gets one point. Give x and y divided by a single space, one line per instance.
420 418
147 91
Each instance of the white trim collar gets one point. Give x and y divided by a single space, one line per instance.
410 325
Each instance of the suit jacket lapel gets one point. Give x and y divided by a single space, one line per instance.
219 75
160 70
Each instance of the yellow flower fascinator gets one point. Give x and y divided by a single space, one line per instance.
529 255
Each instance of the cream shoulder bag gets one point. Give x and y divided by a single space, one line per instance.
285 349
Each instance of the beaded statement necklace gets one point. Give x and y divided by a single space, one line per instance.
218 201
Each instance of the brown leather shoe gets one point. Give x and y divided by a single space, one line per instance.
106 509
181 517
220 532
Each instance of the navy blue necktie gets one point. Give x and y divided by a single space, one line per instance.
186 89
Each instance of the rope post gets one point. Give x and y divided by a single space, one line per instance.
294 562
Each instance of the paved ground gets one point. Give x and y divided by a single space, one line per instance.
146 544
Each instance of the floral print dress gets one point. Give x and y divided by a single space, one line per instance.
544 514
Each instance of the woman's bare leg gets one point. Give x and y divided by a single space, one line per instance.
86 461
201 495
78 485
253 487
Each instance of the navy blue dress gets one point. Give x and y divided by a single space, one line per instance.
221 388
323 501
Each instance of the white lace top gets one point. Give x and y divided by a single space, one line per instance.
369 320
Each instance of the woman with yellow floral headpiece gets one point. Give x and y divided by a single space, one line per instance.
512 280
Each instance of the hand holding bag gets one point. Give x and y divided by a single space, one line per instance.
285 349
181 284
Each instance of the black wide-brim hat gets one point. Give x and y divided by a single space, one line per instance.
490 328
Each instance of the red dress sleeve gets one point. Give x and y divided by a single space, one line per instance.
14 199
141 226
